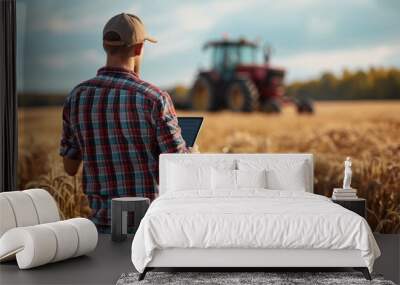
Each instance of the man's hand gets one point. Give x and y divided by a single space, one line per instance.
71 166
194 149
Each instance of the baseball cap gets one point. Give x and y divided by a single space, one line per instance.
129 28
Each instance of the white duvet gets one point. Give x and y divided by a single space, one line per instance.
252 218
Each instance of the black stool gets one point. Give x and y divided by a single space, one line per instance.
119 215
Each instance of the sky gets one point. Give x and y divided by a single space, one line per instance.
59 43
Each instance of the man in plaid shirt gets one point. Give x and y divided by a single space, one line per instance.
118 124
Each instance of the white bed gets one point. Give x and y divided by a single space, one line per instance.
250 226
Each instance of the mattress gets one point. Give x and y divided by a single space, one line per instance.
251 219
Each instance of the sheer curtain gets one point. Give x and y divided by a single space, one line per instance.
8 96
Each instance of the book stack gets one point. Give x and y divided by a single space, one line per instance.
344 194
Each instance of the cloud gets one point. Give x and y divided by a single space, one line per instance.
71 21
181 27
310 36
311 64
320 27
62 25
62 61
184 75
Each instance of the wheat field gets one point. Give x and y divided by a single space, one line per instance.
369 132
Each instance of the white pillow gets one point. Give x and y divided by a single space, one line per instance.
281 174
195 160
293 181
184 177
223 179
235 179
251 178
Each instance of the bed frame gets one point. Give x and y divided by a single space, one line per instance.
246 258
242 259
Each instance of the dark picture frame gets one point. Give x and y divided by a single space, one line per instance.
8 97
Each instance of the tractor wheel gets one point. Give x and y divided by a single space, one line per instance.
241 96
201 95
305 106
271 106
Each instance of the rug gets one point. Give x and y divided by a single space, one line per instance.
244 278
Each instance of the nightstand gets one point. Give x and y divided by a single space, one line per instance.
356 205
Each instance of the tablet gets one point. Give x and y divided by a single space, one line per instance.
190 127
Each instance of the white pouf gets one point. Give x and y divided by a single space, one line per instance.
23 208
87 235
32 246
45 206
31 232
67 240
7 218
37 245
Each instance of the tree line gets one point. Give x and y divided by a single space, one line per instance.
372 84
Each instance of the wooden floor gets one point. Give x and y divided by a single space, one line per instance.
110 260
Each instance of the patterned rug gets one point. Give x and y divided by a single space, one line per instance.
243 278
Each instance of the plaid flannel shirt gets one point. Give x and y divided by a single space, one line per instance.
117 124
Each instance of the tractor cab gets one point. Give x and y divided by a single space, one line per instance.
227 55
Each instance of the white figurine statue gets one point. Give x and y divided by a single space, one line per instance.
347 173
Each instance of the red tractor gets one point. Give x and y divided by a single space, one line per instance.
238 83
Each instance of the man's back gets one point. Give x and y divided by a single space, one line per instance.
118 125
